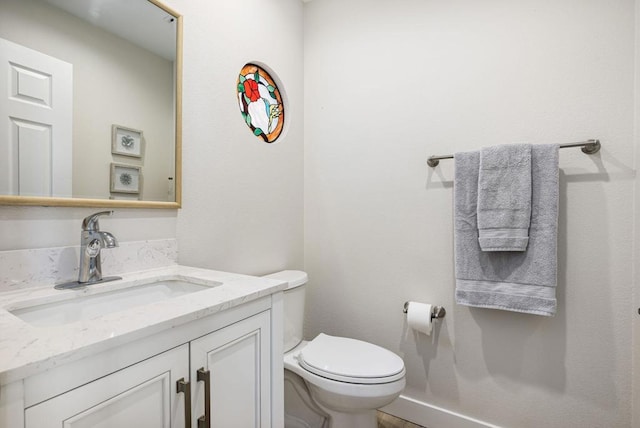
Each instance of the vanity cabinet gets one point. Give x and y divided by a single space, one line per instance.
227 364
229 373
231 367
142 395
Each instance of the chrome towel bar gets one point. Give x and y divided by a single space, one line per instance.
589 147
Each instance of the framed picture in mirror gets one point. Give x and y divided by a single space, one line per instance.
125 178
126 141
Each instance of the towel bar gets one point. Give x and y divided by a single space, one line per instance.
589 147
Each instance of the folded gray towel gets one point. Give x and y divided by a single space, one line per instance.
504 197
514 281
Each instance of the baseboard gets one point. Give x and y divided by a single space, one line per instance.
425 414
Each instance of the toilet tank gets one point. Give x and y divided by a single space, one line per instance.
293 305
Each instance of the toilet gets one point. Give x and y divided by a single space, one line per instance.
332 382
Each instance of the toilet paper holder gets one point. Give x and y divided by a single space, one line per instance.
437 312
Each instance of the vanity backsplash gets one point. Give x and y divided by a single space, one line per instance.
20 269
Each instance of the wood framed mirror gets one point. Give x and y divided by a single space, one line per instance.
89 85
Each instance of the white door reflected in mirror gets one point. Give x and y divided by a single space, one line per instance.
36 115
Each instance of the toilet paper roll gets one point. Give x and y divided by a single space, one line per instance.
419 317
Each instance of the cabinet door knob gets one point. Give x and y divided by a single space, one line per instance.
183 387
205 376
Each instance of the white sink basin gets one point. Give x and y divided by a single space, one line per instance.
83 307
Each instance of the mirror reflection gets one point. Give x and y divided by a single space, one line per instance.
91 106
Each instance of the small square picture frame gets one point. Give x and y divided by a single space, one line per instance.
126 141
125 178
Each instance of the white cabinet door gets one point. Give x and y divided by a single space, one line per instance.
143 396
238 361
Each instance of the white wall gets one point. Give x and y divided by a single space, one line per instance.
44 227
636 252
389 83
242 198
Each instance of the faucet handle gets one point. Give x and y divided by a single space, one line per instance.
90 223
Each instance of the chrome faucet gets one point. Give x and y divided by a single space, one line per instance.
92 241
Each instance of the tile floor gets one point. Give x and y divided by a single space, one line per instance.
386 420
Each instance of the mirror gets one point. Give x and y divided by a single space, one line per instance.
92 111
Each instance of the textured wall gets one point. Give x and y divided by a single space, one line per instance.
243 198
388 84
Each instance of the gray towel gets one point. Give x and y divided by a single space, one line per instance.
513 281
504 197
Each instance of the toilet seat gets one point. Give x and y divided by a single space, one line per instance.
351 361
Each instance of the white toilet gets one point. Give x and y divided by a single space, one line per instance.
332 382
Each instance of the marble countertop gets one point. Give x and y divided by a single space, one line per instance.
26 349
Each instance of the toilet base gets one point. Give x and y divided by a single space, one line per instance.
299 409
363 419
302 411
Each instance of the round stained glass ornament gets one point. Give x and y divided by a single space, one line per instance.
260 103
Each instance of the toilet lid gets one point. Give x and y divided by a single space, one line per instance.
350 360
